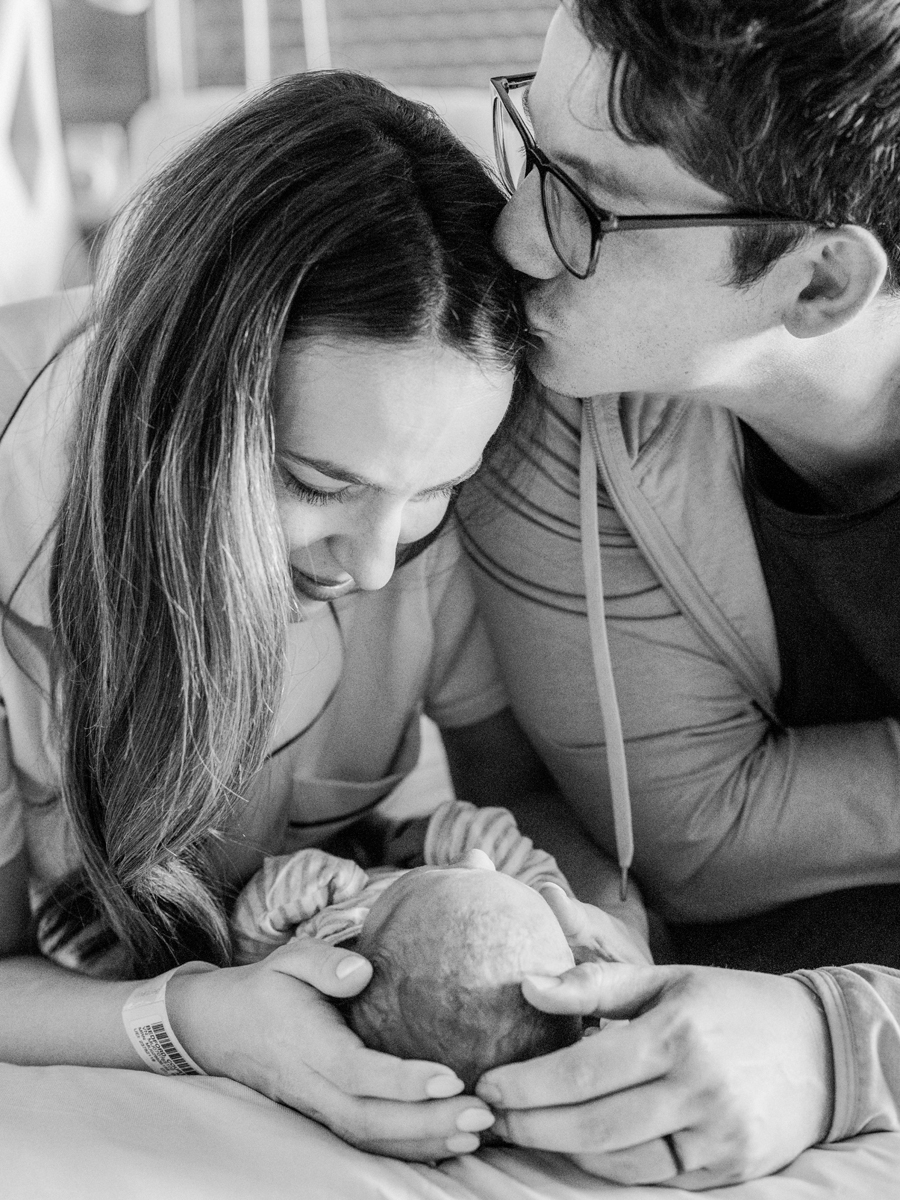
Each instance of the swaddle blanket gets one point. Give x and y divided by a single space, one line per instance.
315 894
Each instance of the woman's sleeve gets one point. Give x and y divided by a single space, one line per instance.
732 814
12 833
463 685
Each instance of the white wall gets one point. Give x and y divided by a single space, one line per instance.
36 228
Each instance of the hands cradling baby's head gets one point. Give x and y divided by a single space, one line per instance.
450 947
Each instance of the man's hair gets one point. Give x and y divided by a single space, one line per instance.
789 107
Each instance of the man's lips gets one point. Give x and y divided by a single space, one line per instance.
538 308
536 330
318 588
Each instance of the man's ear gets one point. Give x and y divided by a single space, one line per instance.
838 272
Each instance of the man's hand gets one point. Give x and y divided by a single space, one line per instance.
719 1076
272 1026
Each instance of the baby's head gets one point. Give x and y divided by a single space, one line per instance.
450 947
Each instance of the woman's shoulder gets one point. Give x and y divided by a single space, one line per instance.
31 332
435 567
40 368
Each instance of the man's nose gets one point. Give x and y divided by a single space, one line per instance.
520 234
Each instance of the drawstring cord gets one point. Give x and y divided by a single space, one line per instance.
609 705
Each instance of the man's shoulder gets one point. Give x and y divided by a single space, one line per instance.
649 422
670 456
635 424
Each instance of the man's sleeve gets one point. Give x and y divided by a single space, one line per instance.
862 1008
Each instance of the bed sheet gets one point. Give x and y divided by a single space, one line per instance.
76 1133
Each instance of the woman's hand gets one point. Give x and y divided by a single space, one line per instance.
272 1026
593 934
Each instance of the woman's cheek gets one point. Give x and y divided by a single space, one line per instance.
301 524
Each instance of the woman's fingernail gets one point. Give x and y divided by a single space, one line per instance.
462 1143
474 1120
439 1087
489 1093
348 965
544 983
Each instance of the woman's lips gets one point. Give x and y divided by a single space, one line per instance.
319 589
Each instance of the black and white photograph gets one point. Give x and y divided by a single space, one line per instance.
449 599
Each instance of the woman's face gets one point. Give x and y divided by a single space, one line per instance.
370 439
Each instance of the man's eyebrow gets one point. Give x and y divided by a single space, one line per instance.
604 176
341 474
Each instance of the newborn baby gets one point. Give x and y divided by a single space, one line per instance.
312 893
450 942
450 947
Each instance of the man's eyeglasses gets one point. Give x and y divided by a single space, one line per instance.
576 225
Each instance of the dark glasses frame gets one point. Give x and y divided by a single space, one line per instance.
600 220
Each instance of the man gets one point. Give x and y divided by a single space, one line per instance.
743 333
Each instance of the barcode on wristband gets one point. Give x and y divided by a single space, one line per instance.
158 1046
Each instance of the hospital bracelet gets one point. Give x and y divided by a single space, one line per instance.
149 1029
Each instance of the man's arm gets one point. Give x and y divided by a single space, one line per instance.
719 1076
733 814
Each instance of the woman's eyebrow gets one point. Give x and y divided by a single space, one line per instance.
341 474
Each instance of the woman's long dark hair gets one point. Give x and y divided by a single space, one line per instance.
325 204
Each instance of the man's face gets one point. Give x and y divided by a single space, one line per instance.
657 314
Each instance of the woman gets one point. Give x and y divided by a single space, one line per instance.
302 346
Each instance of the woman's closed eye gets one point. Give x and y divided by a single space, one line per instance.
316 495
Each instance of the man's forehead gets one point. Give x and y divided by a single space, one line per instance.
571 82
568 105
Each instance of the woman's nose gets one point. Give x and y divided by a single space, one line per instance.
368 552
520 235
